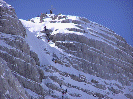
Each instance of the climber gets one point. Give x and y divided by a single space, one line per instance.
45 28
48 39
50 11
66 90
62 94
55 61
47 34
61 85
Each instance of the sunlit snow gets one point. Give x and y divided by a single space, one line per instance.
45 50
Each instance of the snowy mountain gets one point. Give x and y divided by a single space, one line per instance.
71 52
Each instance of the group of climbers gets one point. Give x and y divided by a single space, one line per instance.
63 92
54 60
42 16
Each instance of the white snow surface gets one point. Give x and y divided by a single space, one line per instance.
38 45
45 56
3 3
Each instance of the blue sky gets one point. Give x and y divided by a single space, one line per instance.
114 14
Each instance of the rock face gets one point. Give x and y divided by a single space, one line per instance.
99 52
9 85
9 21
88 59
107 58
18 65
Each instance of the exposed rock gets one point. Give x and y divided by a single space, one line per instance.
42 16
114 90
62 17
66 21
35 57
9 21
9 85
94 81
18 63
98 95
129 96
84 19
99 53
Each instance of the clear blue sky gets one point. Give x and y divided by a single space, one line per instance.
114 14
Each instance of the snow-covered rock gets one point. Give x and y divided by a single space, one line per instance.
19 66
73 53
92 61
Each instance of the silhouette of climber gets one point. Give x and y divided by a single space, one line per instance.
52 59
60 85
63 94
50 11
48 39
55 61
47 33
66 90
45 28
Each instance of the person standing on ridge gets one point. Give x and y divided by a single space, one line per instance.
51 10
45 28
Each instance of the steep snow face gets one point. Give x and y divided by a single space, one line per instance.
87 59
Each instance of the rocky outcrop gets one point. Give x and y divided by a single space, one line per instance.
99 52
19 67
35 57
10 88
96 51
9 22
42 16
96 56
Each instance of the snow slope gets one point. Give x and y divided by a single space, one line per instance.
85 89
37 45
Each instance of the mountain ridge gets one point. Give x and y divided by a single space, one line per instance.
71 52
